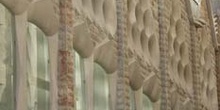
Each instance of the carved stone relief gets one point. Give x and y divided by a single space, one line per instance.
103 12
90 27
143 45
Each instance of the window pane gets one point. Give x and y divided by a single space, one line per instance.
101 89
147 104
195 5
38 75
6 60
79 81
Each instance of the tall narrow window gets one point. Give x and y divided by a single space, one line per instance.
147 104
38 75
132 100
101 89
6 60
80 83
195 5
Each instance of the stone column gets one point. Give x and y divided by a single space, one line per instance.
217 60
122 86
195 67
53 53
194 58
163 16
21 61
217 56
89 82
66 99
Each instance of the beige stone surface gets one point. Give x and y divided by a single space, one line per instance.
143 44
16 6
94 38
43 13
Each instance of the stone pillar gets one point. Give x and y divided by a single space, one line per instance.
194 58
217 59
217 55
53 47
66 99
89 82
122 86
21 61
164 16
195 67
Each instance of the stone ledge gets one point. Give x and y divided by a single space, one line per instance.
199 22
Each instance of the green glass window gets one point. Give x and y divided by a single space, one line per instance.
6 60
37 65
79 83
147 104
101 88
195 5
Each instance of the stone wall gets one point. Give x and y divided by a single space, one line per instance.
155 47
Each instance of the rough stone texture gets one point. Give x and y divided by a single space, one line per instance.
217 56
207 61
152 45
143 47
143 52
164 13
195 65
180 55
66 100
122 87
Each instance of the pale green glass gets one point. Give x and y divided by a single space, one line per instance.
132 100
196 5
79 83
6 59
101 89
38 74
147 104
